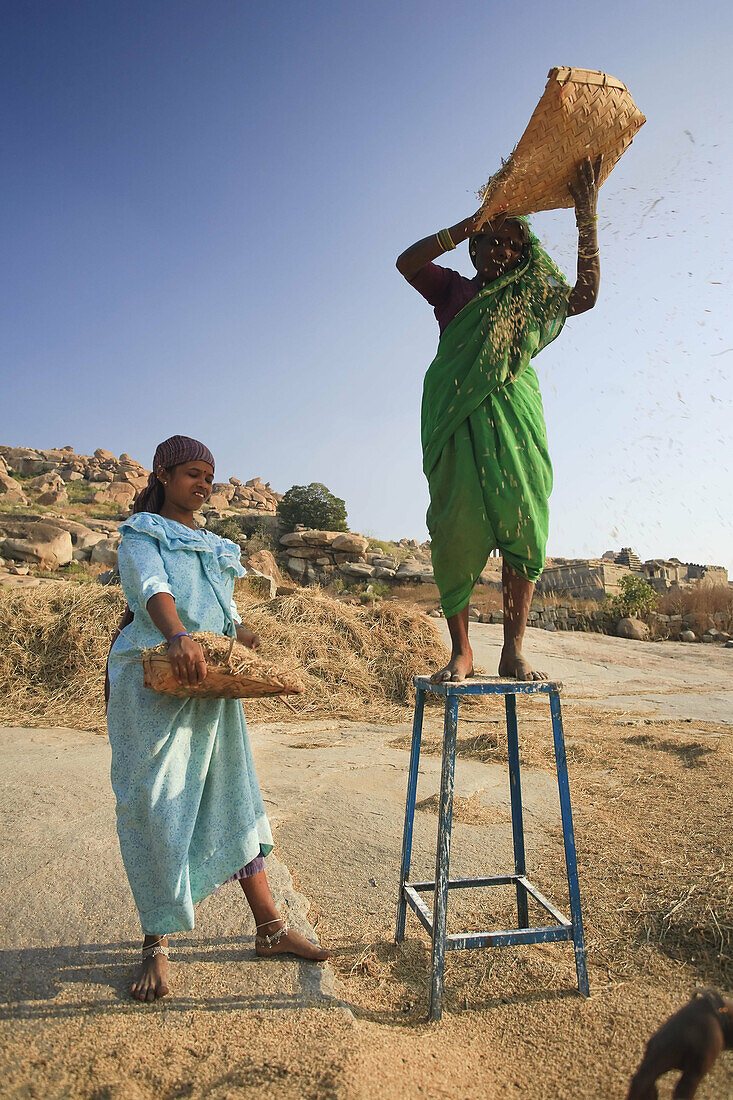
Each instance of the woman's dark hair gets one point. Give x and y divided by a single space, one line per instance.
169 454
152 497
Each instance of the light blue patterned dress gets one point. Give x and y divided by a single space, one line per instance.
189 809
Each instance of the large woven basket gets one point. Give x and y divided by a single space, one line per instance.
220 681
581 113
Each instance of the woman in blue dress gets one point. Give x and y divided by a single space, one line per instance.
190 815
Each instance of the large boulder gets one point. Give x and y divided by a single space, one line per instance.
308 553
293 538
126 477
105 552
319 538
225 488
259 585
44 482
35 541
8 581
115 492
53 497
82 537
218 501
23 460
350 543
357 569
298 568
410 570
11 490
632 628
263 562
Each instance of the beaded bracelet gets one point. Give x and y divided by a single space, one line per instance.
180 634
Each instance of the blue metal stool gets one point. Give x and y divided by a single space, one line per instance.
410 892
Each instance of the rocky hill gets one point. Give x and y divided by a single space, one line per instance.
59 513
58 508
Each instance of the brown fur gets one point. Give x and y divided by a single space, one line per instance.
689 1041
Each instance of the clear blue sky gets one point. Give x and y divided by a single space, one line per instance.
202 203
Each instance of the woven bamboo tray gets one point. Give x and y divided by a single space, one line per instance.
581 113
249 678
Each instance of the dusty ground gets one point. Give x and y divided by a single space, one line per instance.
650 758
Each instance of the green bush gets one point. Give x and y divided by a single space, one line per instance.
312 506
227 528
80 492
261 539
636 598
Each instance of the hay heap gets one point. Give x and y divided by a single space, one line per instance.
354 662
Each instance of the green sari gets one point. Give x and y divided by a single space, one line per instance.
483 430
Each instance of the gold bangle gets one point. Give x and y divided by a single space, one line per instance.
589 255
445 240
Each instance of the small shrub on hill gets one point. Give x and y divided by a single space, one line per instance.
261 539
312 506
636 598
228 528
390 549
80 492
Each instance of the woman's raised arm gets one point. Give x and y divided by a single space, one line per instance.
584 294
429 248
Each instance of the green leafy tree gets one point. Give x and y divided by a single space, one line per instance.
636 598
314 506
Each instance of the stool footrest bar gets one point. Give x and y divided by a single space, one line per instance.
419 908
542 900
465 883
466 940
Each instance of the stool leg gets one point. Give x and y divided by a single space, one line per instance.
571 863
442 860
515 791
409 812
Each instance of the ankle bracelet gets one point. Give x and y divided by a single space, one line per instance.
153 950
271 941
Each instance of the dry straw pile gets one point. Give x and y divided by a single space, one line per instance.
355 662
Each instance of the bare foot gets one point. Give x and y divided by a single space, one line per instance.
460 667
514 666
292 943
151 981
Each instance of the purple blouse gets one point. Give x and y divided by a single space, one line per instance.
446 290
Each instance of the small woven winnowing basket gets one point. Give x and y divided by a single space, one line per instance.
581 113
221 682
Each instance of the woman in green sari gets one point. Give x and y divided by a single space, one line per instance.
483 432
